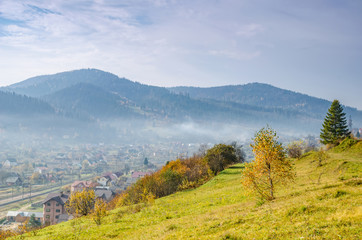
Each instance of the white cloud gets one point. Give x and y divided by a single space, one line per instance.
170 42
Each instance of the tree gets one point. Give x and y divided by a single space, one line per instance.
295 149
145 162
220 156
99 211
350 124
126 168
85 166
240 155
321 156
81 203
335 126
33 223
270 167
35 178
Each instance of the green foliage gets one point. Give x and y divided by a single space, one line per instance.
335 126
221 156
347 143
33 223
340 193
320 157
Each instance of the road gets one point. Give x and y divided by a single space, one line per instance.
8 201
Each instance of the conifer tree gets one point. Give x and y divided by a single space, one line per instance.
335 125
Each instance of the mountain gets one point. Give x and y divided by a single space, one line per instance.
98 94
59 89
87 100
15 104
264 95
99 97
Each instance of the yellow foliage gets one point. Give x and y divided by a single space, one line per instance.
270 167
99 211
81 203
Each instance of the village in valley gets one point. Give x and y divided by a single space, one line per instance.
36 184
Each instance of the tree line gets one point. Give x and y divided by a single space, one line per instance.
181 174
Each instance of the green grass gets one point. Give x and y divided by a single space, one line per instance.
323 203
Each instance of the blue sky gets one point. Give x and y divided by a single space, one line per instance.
309 46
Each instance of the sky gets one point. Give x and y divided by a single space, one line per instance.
310 46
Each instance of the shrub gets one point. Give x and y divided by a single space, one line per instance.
81 203
345 144
321 156
295 149
179 175
220 156
175 175
99 211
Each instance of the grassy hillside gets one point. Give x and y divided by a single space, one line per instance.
324 203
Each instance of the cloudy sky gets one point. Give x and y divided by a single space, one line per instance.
309 46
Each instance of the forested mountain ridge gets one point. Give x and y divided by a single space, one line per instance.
264 95
15 104
93 95
87 100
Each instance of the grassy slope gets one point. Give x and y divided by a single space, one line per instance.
331 209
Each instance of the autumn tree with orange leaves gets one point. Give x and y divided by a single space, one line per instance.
270 167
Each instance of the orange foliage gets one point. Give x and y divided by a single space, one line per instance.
6 234
178 174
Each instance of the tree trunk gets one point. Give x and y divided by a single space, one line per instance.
271 186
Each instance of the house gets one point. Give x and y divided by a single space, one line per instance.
13 181
20 217
104 193
62 157
138 175
104 180
54 207
41 170
80 185
10 162
117 174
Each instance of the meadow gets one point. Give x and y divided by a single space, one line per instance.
324 202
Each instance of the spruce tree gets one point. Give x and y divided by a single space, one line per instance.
335 125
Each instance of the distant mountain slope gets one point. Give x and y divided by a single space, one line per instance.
157 101
48 84
87 100
264 95
94 94
14 104
73 91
